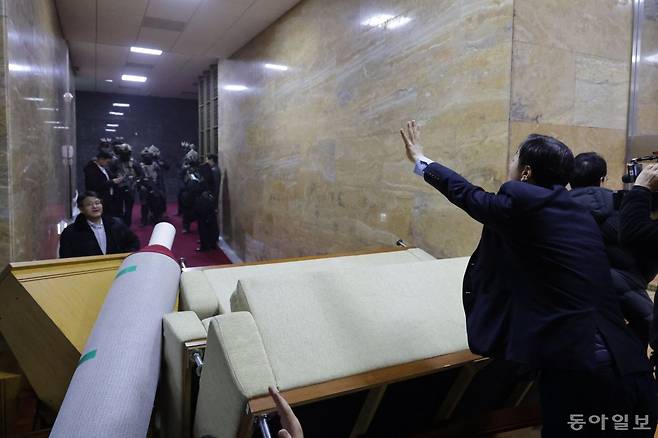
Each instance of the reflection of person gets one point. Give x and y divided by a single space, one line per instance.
93 233
589 173
640 232
537 290
291 426
97 179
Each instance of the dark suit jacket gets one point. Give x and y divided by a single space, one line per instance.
96 181
78 240
538 286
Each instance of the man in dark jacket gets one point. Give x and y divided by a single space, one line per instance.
92 233
639 231
590 170
99 180
537 290
206 204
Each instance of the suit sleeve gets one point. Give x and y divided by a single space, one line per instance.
131 241
490 209
637 229
65 247
96 181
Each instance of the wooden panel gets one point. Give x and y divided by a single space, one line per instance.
47 311
333 388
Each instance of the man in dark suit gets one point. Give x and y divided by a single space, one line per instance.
98 179
93 233
206 204
537 291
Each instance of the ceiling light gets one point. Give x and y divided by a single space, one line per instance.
146 51
52 122
109 80
34 99
235 87
377 20
277 67
19 67
46 109
123 105
60 127
110 130
386 20
652 59
114 113
133 78
397 22
112 125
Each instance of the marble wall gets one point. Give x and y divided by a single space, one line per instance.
312 155
35 122
570 75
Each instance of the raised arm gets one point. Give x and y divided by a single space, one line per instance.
636 226
487 208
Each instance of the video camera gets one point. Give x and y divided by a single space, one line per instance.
633 167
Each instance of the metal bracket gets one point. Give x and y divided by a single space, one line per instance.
401 243
197 358
181 262
261 420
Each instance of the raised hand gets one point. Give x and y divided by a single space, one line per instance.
411 138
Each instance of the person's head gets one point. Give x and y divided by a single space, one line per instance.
211 158
90 205
590 169
104 158
543 161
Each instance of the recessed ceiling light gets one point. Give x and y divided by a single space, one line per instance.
235 87
277 67
109 80
133 78
377 20
60 127
146 51
124 105
112 125
52 122
386 20
114 113
110 130
34 99
397 22
46 109
19 67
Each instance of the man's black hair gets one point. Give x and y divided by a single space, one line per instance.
102 155
85 195
588 170
551 160
212 157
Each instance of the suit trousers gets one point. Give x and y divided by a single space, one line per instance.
598 403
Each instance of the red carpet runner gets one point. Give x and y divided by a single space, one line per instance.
184 244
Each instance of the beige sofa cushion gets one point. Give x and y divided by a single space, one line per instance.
318 326
224 281
235 369
198 295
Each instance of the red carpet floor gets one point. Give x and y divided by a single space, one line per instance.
184 244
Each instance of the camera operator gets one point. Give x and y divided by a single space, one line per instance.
639 231
590 170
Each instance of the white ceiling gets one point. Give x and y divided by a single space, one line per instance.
192 33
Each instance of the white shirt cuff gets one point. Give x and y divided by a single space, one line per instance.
421 163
